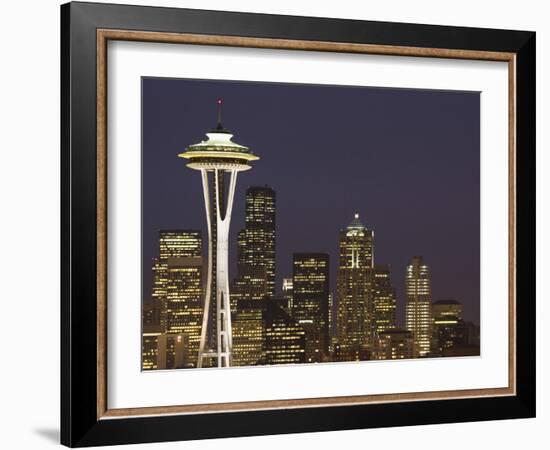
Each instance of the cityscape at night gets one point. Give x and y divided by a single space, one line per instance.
260 203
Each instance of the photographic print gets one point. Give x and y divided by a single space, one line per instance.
301 224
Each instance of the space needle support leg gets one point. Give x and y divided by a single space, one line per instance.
223 312
227 298
202 347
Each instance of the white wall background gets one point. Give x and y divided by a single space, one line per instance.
29 224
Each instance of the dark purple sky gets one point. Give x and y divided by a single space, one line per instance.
406 160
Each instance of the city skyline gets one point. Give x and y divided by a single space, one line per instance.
294 328
252 325
458 218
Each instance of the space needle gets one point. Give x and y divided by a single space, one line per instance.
219 160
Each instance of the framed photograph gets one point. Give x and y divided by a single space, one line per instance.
276 224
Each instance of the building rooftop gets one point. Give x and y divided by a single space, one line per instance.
356 224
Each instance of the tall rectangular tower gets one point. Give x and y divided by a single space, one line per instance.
448 327
178 286
418 317
256 247
310 283
384 300
354 290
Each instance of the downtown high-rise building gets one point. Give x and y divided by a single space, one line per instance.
448 330
248 333
418 308
355 290
393 344
256 248
287 292
285 338
265 334
384 300
310 292
151 330
177 288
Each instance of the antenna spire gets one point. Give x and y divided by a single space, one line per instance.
219 126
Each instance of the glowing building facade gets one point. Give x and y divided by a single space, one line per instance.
264 334
248 333
310 291
418 309
449 330
287 292
219 160
354 290
384 300
256 247
178 287
285 338
393 344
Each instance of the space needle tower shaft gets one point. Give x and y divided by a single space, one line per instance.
219 160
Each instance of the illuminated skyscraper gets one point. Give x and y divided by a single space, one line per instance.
178 287
248 333
164 351
287 292
173 351
448 328
149 348
256 247
330 315
310 285
266 334
354 290
285 338
393 344
151 331
218 158
418 317
384 302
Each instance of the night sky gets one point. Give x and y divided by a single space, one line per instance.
407 160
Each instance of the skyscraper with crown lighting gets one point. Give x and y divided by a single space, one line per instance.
354 290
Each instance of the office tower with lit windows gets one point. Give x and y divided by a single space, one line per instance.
173 351
219 160
418 308
150 333
393 344
165 351
287 292
285 338
149 348
310 286
264 334
448 327
384 300
151 312
330 315
151 330
248 333
256 247
178 287
354 290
